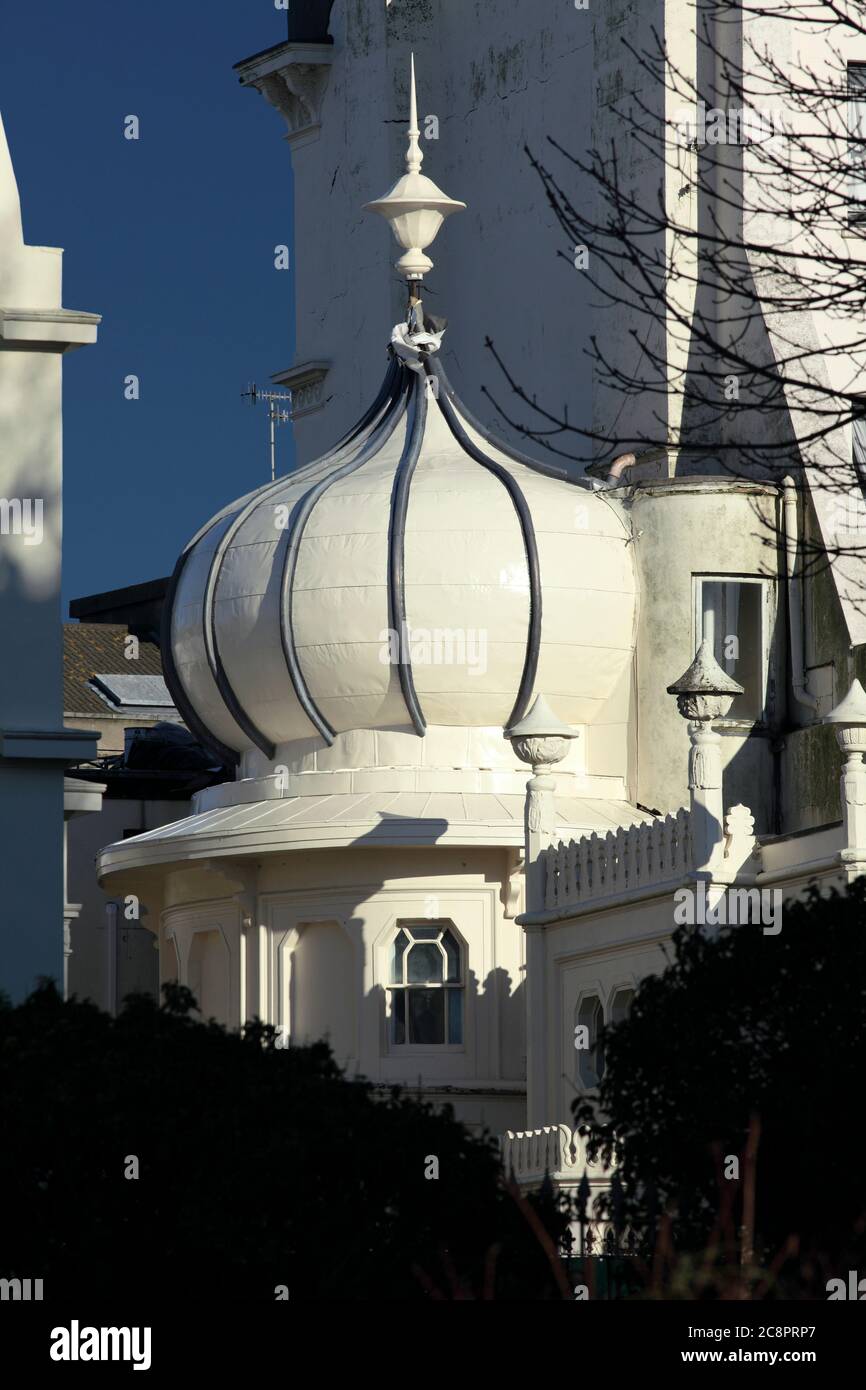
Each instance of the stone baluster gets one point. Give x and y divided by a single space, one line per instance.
584 870
682 857
621 852
631 859
595 863
548 865
571 872
655 850
644 838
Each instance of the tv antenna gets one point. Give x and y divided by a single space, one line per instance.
279 413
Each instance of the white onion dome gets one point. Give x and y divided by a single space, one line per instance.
418 574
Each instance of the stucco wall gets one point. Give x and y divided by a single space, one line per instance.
695 527
498 77
358 898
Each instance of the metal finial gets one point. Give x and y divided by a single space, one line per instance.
414 157
415 207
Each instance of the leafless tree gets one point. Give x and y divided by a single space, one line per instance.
736 297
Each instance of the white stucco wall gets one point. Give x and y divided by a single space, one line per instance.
497 76
307 942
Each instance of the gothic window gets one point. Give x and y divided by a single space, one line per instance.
730 613
858 450
857 141
590 1059
620 1005
426 987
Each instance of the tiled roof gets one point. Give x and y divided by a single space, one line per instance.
89 648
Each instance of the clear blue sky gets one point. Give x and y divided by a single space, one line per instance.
171 238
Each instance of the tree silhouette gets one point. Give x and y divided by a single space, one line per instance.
728 1103
258 1168
720 218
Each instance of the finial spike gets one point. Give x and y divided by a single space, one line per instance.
415 207
11 230
414 157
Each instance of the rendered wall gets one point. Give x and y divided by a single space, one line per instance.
307 942
498 76
692 527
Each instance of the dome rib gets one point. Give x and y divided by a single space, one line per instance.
530 545
171 675
400 392
394 537
548 470
211 642
194 722
397 549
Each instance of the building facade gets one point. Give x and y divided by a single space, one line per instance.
358 638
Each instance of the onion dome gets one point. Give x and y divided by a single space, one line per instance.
419 574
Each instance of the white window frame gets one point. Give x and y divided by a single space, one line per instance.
589 996
424 1049
766 621
856 127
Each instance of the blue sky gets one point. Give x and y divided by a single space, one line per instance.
171 238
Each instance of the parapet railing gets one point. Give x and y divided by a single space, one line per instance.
554 1149
627 860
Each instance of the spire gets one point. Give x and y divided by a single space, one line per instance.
414 157
11 231
415 207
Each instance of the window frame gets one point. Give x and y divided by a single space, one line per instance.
855 117
408 924
590 1053
858 417
767 615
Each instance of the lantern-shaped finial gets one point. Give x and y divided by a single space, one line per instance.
415 207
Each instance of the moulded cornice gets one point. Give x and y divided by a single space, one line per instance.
293 79
66 329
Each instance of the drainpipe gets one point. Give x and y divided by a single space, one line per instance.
795 597
111 957
613 473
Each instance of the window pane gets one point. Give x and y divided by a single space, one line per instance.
425 965
589 1016
598 1055
398 1016
857 140
452 953
621 1005
400 943
425 933
731 621
426 1015
859 441
455 1015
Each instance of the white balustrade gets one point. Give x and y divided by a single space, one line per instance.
627 861
554 1149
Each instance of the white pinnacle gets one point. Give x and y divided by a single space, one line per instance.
414 157
415 207
11 231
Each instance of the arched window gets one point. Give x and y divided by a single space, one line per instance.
590 1059
620 1005
426 987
